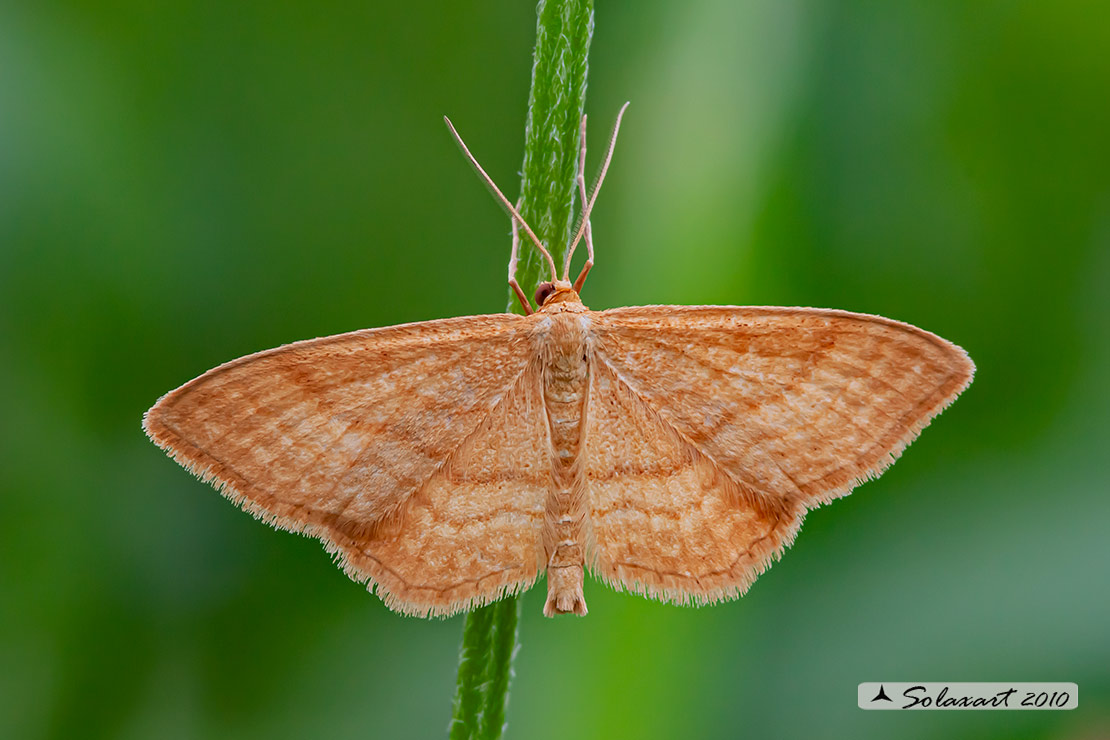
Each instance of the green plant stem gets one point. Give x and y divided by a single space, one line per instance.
551 133
473 665
551 139
506 616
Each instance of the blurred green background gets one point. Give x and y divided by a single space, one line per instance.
185 182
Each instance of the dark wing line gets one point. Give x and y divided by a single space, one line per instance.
648 311
336 339
938 341
294 347
781 396
746 491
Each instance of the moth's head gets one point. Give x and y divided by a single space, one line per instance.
555 291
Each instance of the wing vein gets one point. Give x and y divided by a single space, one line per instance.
449 457
757 496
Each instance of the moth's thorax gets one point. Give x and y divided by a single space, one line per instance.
565 355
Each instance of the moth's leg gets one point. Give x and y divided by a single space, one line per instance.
587 235
512 268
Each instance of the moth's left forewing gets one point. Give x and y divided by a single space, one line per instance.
712 430
798 403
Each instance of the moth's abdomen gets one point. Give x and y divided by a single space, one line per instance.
565 388
564 397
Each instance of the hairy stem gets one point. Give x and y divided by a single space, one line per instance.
551 132
473 664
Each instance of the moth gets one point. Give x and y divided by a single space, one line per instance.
673 451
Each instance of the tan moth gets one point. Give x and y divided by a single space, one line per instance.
671 450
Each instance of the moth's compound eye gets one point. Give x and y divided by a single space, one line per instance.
543 292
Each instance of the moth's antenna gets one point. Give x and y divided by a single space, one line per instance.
593 198
504 201
588 233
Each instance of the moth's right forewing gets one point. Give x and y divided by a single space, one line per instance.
799 404
334 435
